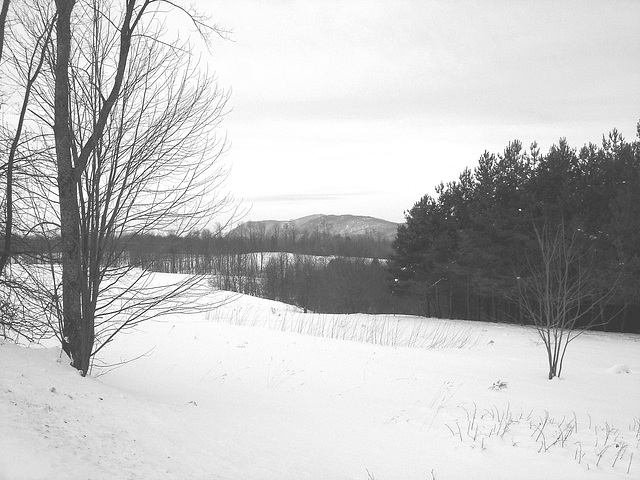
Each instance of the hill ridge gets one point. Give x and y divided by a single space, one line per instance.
342 224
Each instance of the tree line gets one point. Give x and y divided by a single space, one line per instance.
466 251
316 284
257 237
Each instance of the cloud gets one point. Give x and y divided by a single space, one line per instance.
396 97
304 197
513 61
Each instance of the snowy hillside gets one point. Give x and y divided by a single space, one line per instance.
239 394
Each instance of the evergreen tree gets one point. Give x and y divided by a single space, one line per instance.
462 251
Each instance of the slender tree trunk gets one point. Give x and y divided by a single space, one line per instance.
3 20
32 76
625 312
9 193
8 228
75 332
78 313
467 299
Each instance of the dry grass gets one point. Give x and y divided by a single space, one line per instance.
385 330
595 447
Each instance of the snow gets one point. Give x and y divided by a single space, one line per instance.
239 394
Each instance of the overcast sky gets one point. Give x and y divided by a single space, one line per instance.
363 107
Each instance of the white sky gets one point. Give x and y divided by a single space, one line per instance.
362 107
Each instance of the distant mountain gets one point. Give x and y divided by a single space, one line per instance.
344 225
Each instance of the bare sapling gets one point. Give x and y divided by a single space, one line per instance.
560 293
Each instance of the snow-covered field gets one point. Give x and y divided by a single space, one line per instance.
239 393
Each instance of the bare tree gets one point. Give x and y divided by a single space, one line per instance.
27 71
561 294
133 148
136 152
26 39
78 330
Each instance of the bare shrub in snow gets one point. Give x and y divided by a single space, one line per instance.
561 294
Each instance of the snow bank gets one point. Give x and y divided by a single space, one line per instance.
213 399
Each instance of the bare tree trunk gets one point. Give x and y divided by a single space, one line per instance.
79 328
3 20
74 334
9 193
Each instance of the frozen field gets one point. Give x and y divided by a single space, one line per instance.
259 390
